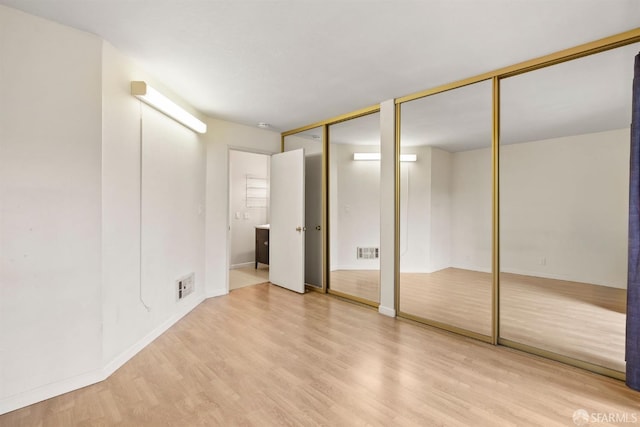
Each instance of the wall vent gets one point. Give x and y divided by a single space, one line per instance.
185 286
368 253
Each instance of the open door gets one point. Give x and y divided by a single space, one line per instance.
286 239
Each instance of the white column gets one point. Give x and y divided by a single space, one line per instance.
387 208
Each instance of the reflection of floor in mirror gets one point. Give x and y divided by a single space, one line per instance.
247 276
363 284
461 298
579 320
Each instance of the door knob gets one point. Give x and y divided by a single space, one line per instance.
298 228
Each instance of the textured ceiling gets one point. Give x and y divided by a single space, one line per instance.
290 63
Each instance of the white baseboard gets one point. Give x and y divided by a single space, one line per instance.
126 355
355 267
386 311
48 391
242 265
217 292
472 268
57 388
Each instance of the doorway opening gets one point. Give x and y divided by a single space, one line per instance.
249 178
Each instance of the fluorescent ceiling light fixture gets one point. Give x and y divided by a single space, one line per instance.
149 95
376 156
366 156
408 157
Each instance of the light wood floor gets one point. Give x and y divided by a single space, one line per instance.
364 284
583 321
461 298
247 276
265 356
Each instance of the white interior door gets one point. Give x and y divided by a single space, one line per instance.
286 234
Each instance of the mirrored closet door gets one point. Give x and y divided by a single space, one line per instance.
354 206
564 187
445 210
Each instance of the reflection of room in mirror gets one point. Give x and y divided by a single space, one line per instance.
311 141
564 207
564 221
354 193
359 283
445 209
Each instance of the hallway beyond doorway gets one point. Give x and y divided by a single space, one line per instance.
247 276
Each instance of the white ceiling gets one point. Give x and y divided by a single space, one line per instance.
290 62
587 95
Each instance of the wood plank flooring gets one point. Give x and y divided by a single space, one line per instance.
247 276
579 320
266 356
583 321
364 284
457 297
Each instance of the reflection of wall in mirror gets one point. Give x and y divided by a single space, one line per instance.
356 207
471 210
425 211
564 209
313 201
311 146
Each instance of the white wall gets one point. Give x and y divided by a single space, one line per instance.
471 221
170 230
220 137
334 191
440 214
243 218
357 208
50 204
415 207
70 263
311 146
564 208
425 210
565 200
